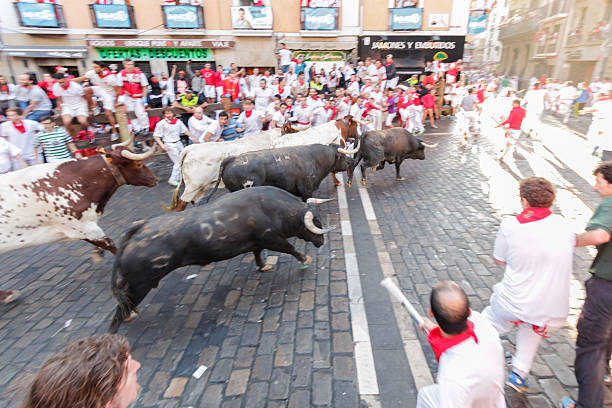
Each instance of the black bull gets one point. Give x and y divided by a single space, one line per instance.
298 169
392 145
249 220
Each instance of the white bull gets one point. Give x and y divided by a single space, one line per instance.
200 163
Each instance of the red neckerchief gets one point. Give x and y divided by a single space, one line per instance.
281 90
314 98
172 122
4 88
301 81
105 72
389 63
440 344
531 214
67 86
20 126
248 113
277 109
603 98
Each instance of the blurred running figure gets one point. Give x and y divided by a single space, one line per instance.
535 106
134 85
71 100
470 115
514 122
600 131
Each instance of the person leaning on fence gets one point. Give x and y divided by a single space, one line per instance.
94 372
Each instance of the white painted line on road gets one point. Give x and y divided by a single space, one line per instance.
412 347
367 382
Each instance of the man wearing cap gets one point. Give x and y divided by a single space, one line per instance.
392 76
134 85
187 103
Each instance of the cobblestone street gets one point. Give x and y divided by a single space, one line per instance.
323 336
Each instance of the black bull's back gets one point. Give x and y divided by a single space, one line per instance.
249 220
298 170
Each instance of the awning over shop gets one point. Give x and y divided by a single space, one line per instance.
41 51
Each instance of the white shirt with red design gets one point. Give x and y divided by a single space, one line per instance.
125 79
106 80
71 95
170 131
251 121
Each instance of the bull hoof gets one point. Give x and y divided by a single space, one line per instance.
133 315
400 178
265 268
307 261
363 182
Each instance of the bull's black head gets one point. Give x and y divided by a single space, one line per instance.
419 153
341 160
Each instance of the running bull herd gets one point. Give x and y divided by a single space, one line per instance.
272 177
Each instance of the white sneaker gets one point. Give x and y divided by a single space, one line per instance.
173 183
96 110
114 136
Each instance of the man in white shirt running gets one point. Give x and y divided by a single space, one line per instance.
214 130
21 133
104 86
134 85
198 123
167 135
469 353
250 119
537 249
71 100
535 106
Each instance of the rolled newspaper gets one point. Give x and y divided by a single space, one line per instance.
394 291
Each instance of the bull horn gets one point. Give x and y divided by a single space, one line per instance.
433 146
124 144
318 200
309 224
347 152
134 156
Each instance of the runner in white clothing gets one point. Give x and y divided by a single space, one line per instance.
469 352
21 133
535 106
213 133
250 119
198 123
167 134
263 95
70 97
302 114
104 86
537 248
8 153
279 117
323 114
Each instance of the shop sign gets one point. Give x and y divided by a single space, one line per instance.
182 17
158 43
112 16
477 24
37 14
251 18
406 18
202 54
320 18
320 55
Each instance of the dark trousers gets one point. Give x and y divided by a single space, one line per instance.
593 343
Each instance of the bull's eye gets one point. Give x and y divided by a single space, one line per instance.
139 164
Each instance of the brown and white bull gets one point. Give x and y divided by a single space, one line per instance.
63 201
200 163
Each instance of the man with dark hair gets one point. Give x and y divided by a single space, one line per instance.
594 340
91 372
32 100
537 249
71 101
469 353
21 133
215 129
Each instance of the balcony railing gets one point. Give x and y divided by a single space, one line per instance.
183 16
251 18
522 23
112 16
405 18
45 15
319 18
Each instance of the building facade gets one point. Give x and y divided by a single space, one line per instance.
157 34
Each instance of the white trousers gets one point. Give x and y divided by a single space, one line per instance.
168 99
429 397
527 340
392 83
471 120
376 116
135 105
174 153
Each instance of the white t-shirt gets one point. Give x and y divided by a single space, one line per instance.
170 132
567 93
197 127
472 374
344 106
253 123
356 111
262 97
303 116
322 115
535 100
539 258
105 83
71 96
7 151
133 77
314 102
280 118
24 141
285 56
215 130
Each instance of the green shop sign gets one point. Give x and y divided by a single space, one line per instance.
155 53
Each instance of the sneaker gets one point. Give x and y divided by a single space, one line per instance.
173 183
96 110
567 402
114 136
434 126
9 296
516 382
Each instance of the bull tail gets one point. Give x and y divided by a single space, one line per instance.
175 196
119 285
221 169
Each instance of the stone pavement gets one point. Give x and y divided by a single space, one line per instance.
289 337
